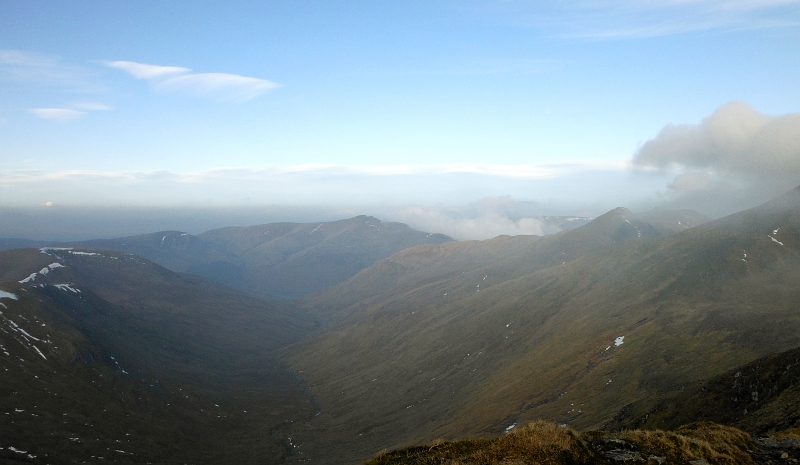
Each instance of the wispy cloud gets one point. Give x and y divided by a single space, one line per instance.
45 70
618 19
61 115
35 71
223 86
68 113
145 71
90 106
626 18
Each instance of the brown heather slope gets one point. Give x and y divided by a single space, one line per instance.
105 354
466 339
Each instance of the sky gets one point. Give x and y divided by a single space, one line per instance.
406 110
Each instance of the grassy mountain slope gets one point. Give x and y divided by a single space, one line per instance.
760 397
466 339
106 354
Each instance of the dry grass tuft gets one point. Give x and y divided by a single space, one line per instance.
545 443
716 444
540 442
789 433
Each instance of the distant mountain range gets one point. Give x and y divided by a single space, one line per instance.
277 260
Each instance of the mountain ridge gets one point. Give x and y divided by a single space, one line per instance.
274 260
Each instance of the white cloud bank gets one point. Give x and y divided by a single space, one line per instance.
223 86
733 159
431 198
428 197
484 219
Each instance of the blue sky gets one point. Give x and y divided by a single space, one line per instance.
160 103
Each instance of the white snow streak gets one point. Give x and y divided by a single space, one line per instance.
67 287
29 278
40 352
775 240
42 272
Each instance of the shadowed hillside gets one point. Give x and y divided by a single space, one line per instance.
105 354
761 396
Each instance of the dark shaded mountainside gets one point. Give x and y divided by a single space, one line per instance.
277 260
107 356
761 396
469 339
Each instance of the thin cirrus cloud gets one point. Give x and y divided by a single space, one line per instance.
45 70
622 19
60 115
222 86
90 106
649 18
73 112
